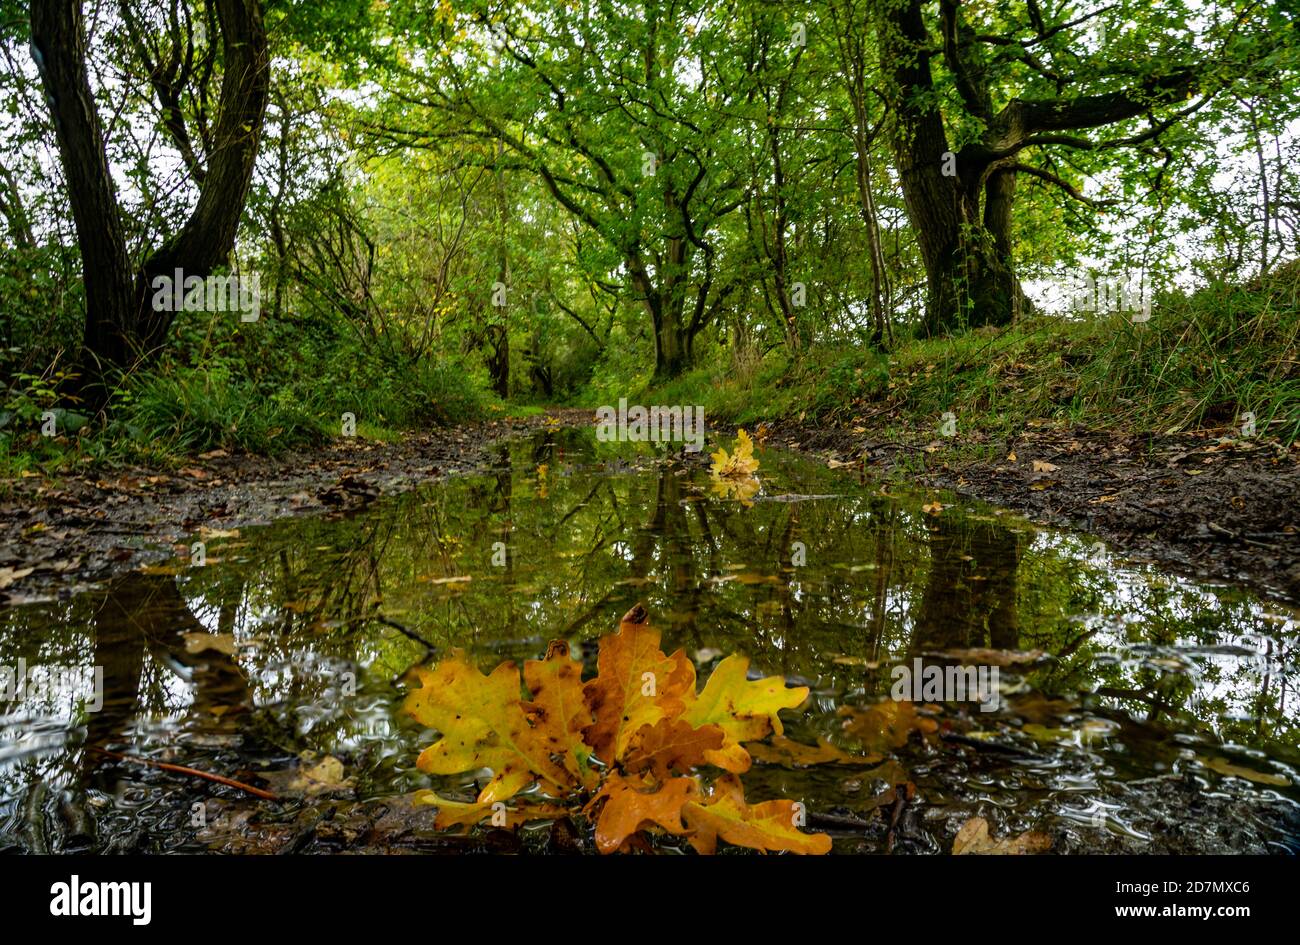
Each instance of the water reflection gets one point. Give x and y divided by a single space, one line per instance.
297 637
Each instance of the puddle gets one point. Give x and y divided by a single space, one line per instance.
1134 711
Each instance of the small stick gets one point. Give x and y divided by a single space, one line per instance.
182 769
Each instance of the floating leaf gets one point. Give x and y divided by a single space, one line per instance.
740 463
783 751
886 725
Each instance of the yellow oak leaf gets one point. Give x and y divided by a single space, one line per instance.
558 708
460 814
636 685
739 464
671 746
745 711
482 726
631 803
771 825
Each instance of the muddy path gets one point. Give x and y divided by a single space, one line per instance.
1202 504
58 536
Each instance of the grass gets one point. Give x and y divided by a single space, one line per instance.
1202 362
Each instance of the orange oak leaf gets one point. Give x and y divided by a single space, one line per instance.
771 825
636 685
631 803
671 746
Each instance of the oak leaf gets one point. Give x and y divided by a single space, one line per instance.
740 463
627 804
745 711
557 706
636 685
973 838
671 746
483 726
771 825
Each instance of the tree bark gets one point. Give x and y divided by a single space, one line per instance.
121 326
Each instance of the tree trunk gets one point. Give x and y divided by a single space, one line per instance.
121 325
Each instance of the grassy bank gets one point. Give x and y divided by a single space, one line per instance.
1201 362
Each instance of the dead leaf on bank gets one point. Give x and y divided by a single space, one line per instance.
1011 457
210 534
973 839
1045 467
839 463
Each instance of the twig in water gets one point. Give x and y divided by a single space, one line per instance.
182 769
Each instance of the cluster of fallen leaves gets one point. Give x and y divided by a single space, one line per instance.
734 473
624 745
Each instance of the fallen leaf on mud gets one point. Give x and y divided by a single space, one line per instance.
324 777
932 508
211 533
1045 467
973 838
839 464
1011 457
